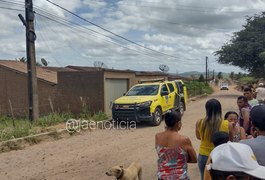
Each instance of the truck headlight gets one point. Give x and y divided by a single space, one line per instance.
115 106
144 104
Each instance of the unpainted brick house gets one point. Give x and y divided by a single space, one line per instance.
65 89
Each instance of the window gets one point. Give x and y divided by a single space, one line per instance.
180 87
171 87
143 90
164 88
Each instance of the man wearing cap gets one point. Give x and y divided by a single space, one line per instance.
257 144
260 93
232 161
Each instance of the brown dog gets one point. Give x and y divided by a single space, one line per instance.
130 173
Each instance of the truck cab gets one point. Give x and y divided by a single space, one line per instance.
146 102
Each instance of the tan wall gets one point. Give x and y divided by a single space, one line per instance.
121 75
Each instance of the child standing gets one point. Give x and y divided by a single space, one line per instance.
238 133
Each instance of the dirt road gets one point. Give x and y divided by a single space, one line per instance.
89 155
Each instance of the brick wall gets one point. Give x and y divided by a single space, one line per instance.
14 93
79 89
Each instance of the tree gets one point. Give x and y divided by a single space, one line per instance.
239 75
232 75
201 78
246 49
24 60
220 75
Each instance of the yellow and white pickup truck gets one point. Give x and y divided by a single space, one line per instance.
148 102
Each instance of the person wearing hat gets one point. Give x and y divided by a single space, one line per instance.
234 161
260 93
257 144
218 139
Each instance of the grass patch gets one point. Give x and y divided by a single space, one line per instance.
11 145
197 88
53 119
33 140
85 113
54 134
23 127
8 131
100 116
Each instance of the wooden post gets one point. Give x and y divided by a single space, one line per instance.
12 113
51 105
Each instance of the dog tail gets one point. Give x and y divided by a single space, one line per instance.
140 173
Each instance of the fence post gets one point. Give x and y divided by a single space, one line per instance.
12 113
51 105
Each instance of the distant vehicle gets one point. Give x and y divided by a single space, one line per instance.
224 86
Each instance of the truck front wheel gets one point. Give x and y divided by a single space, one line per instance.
157 117
181 108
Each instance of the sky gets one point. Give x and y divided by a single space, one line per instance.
127 34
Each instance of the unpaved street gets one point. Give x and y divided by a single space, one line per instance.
89 155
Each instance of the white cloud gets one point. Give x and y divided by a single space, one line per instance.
187 29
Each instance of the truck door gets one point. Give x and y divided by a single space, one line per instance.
172 95
165 97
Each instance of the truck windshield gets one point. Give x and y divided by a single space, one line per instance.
146 90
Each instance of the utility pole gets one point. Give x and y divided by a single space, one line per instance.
31 61
206 75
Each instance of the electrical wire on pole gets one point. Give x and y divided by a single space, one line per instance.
33 101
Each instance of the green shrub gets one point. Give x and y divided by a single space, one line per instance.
100 116
85 113
195 88
53 119
22 128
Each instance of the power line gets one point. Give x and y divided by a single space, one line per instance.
138 52
111 42
111 31
101 34
40 33
67 23
181 24
12 9
178 7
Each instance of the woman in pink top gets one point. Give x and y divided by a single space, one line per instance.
174 150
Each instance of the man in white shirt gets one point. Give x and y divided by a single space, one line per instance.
260 93
249 95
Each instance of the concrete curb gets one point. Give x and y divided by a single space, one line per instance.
23 142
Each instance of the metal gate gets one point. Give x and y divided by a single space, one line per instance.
114 88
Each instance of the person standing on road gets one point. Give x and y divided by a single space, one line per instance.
218 139
237 132
174 150
257 144
260 93
234 161
206 128
248 93
244 109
